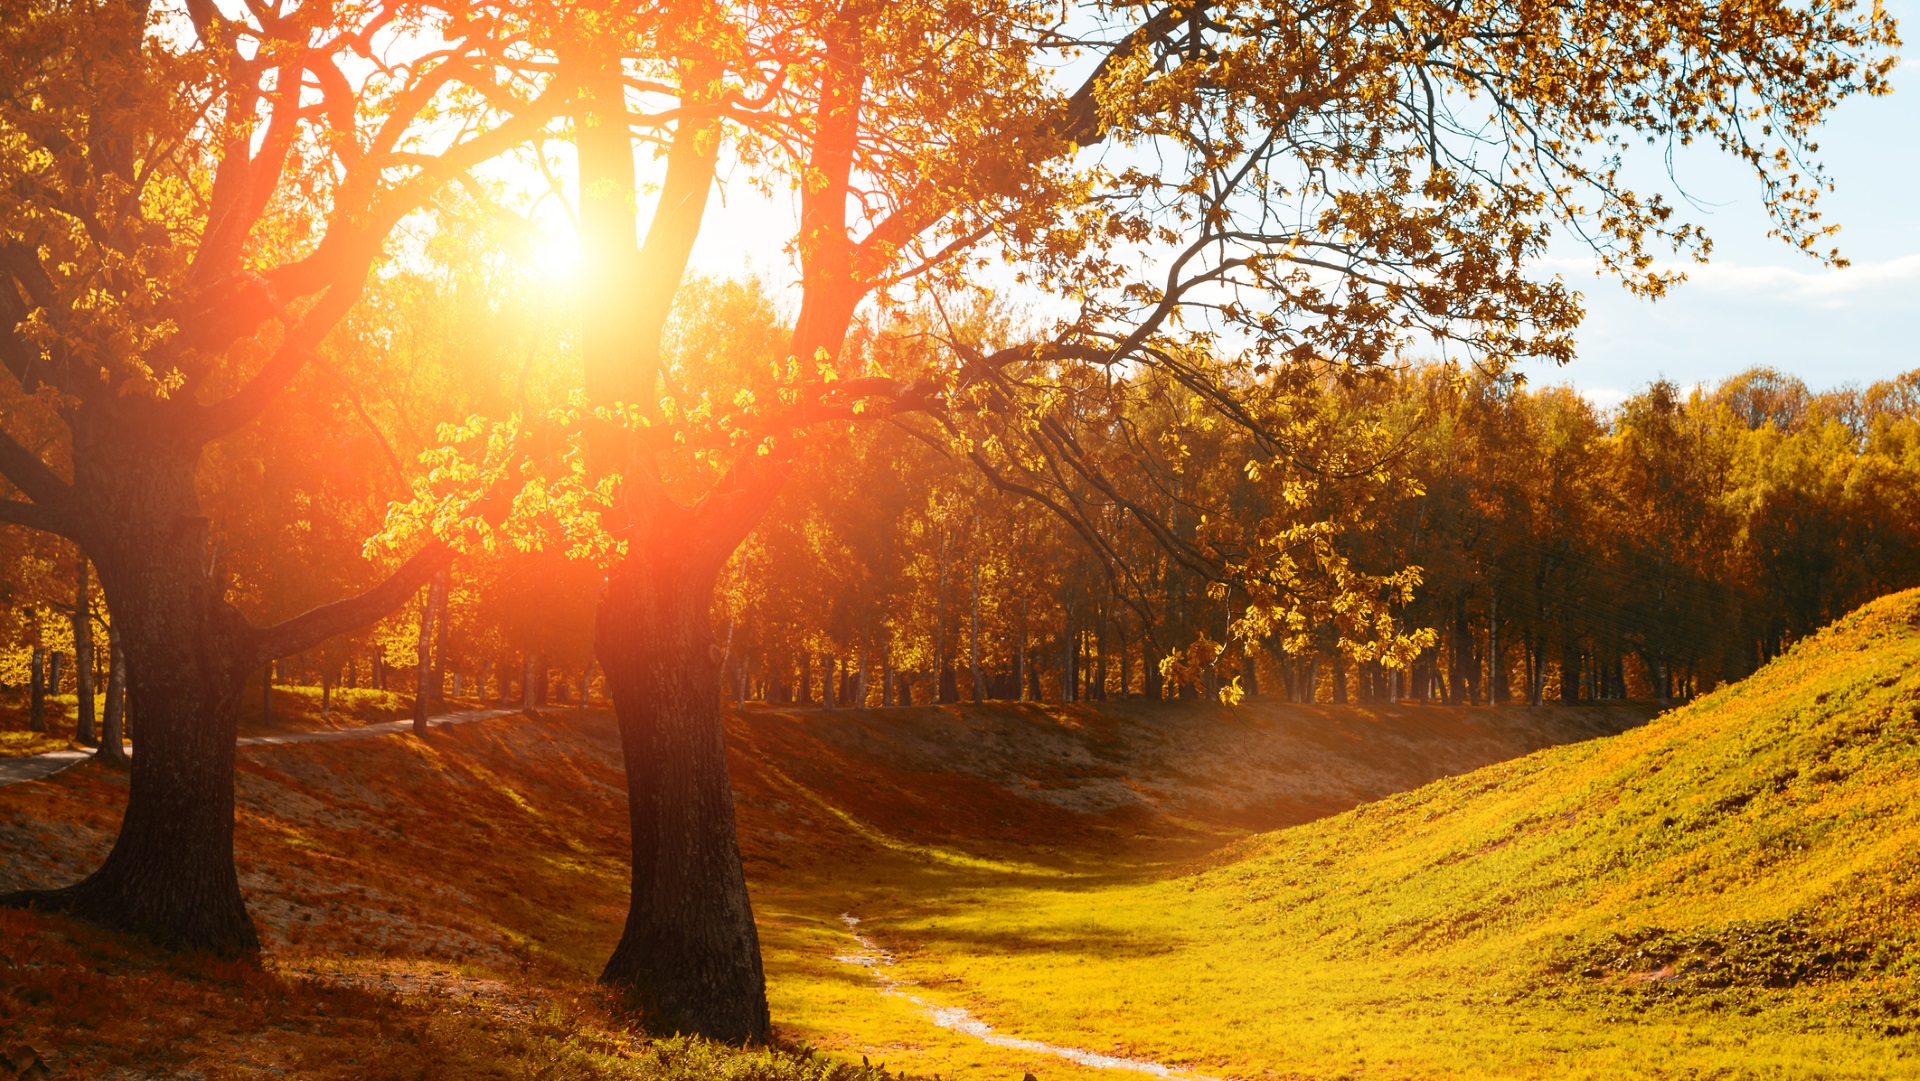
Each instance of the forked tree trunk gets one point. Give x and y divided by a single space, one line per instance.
689 956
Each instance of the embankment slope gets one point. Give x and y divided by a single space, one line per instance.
1731 890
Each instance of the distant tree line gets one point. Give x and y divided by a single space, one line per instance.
1566 552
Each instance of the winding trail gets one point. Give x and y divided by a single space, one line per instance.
34 767
955 1019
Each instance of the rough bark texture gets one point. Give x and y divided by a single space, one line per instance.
189 655
689 956
170 874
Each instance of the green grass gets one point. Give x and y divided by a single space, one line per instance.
1729 891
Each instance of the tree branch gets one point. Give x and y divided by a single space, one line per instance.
33 476
33 516
356 233
316 625
227 415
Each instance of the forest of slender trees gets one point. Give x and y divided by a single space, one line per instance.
1567 553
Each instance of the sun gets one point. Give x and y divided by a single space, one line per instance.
553 249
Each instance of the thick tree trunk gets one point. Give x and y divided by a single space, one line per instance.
689 956
170 874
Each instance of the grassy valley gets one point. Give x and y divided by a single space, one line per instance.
1727 891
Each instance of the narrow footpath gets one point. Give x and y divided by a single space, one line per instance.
34 767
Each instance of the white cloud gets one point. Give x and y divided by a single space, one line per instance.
1823 286
1603 398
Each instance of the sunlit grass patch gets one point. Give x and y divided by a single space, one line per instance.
1727 892
16 743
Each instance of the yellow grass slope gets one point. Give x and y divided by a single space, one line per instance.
1729 891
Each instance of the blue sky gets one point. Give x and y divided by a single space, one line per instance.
1759 301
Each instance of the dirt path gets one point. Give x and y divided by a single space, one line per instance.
34 767
956 1019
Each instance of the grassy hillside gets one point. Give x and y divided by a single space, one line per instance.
1728 891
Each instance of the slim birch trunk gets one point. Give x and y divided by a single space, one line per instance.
37 691
113 727
426 678
973 628
83 729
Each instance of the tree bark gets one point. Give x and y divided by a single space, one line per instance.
1569 672
860 679
689 955
1069 658
437 675
170 874
973 623
135 511
83 730
113 729
37 691
427 672
1496 660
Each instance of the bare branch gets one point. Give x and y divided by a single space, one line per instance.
32 476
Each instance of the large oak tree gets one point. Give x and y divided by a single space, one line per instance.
192 196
